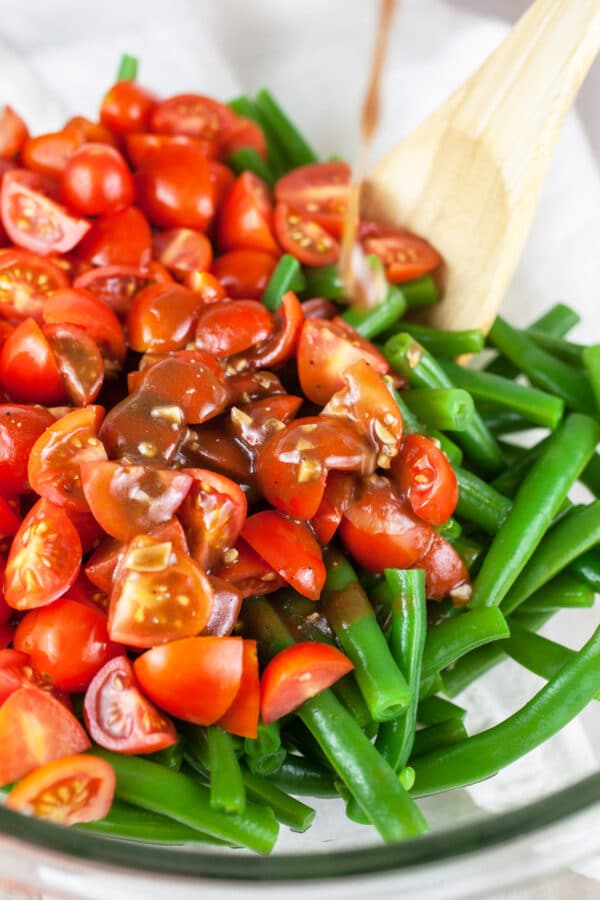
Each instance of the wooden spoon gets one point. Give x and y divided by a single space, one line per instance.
468 178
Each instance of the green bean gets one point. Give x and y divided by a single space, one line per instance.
434 710
134 824
351 616
370 323
184 799
543 370
566 351
411 360
479 503
407 642
586 569
420 292
537 502
591 475
289 811
287 276
562 592
264 754
324 281
226 783
509 481
557 321
449 409
447 344
297 150
431 684
171 757
455 637
591 362
304 777
246 159
443 734
577 532
501 421
128 68
412 425
534 405
245 107
451 530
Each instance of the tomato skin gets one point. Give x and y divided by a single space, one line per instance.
175 190
340 489
298 673
244 273
28 368
253 423
290 548
118 717
406 256
44 558
126 108
13 132
304 238
208 288
120 238
97 181
213 514
211 447
47 154
233 326
66 791
195 679
444 571
35 728
221 178
318 191
242 716
20 427
194 115
281 346
84 310
79 361
186 383
9 520
182 250
133 430
244 133
67 643
244 220
16 671
425 476
162 317
27 280
140 147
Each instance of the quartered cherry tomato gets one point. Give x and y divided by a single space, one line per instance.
242 716
79 361
47 154
16 671
304 238
140 147
339 492
182 250
243 133
85 311
162 317
445 572
244 220
404 255
249 572
20 427
28 367
26 281
194 115
97 181
117 285
425 476
213 514
233 326
120 238
175 190
244 273
318 192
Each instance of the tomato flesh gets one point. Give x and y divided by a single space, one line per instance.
425 476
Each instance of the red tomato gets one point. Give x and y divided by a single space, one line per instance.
424 474
6 634
445 572
242 716
117 285
211 447
253 423
126 108
175 190
20 427
102 565
227 601
90 535
96 181
249 572
318 192
35 729
16 671
404 255
244 133
244 273
47 154
221 178
232 326
290 548
159 595
325 351
281 346
66 791
140 147
84 310
340 489
298 673
54 468
44 558
143 429
194 115
92 132
208 288
162 317
9 519
195 679
182 250
13 132
244 220
67 643
79 361
184 390
119 239
28 367
213 514
26 280
118 716
319 308
304 238
251 385
128 500
136 379
33 220
380 529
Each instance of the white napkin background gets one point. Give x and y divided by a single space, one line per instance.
57 58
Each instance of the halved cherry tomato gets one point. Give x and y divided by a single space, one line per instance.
340 489
242 716
26 280
79 362
244 220
16 671
445 572
175 190
84 310
127 108
35 729
380 529
44 558
162 317
159 595
128 500
290 548
404 255
298 673
253 423
194 115
304 238
13 132
102 565
208 288
182 250
47 154
325 351
318 192
221 178
227 601
244 273
211 447
184 388
66 791
20 427
117 285
243 133
90 535
54 468
252 385
33 220
233 326
249 572
28 367
213 513
67 643
140 147
142 429
425 476
92 132
119 239
96 181
280 347
195 679
119 717
319 308
136 379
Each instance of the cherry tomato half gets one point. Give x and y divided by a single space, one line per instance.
97 181
175 190
119 239
242 716
244 273
304 238
425 476
13 132
29 369
20 427
319 192
404 255
244 220
213 514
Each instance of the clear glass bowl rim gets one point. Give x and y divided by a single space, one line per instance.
464 840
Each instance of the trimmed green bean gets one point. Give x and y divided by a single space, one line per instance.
577 532
434 710
420 292
128 68
264 754
407 642
287 276
586 569
567 351
451 530
246 159
557 321
448 409
297 150
484 754
135 824
304 777
591 361
184 799
591 475
291 812
537 502
431 684
443 734
479 503
457 636
511 479
446 344
501 421
562 592
324 281
226 783
371 323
